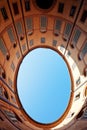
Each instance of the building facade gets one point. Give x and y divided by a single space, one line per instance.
60 25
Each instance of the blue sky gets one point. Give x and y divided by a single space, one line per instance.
44 85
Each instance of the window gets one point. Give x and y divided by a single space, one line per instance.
11 115
31 42
72 11
84 16
67 31
43 40
43 23
3 75
68 53
1 91
62 48
57 27
15 8
27 5
84 116
2 47
54 42
11 35
17 54
77 96
61 7
73 65
29 25
83 51
10 82
76 36
24 47
4 13
78 81
19 28
12 66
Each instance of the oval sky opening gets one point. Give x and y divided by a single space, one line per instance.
44 85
